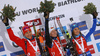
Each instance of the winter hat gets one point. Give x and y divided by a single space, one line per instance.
73 25
52 28
25 29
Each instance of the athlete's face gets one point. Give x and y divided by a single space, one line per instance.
53 33
28 34
76 31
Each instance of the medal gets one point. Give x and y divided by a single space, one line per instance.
37 54
35 48
84 54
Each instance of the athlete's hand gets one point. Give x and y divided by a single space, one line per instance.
5 21
46 15
95 14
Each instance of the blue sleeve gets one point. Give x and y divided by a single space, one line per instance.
92 29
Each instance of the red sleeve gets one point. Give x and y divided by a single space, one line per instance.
14 38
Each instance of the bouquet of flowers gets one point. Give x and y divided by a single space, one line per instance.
8 11
47 6
89 8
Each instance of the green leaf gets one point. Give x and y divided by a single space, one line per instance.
8 11
47 6
89 8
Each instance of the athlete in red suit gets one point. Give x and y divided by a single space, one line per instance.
30 41
52 42
80 40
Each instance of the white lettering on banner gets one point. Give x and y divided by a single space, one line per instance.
30 23
37 22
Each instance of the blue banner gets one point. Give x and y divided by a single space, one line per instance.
96 35
2 47
19 53
82 25
98 46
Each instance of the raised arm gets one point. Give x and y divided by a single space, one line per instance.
14 38
93 26
47 35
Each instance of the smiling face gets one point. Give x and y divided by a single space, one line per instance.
76 31
53 33
28 34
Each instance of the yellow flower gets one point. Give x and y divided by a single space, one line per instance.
2 9
12 8
41 2
84 10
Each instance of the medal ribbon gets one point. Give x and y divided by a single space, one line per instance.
32 45
58 48
82 48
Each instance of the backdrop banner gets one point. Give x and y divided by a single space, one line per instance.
27 11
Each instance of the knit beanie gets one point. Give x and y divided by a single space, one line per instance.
25 29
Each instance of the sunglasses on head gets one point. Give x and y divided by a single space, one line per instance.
74 25
25 28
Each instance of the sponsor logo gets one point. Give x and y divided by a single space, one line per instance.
1 47
58 4
30 23
63 41
91 48
98 46
59 31
67 2
96 34
82 25
60 16
19 53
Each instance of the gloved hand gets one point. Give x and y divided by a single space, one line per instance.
5 21
46 15
95 14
